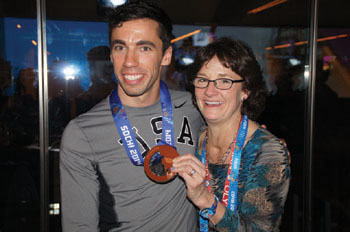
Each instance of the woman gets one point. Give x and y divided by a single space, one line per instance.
239 177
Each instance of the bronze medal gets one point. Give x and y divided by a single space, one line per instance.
158 162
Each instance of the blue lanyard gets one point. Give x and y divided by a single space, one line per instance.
232 176
125 129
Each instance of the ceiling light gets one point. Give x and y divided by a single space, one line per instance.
185 36
267 6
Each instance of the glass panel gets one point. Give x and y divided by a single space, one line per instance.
80 75
286 69
19 118
331 211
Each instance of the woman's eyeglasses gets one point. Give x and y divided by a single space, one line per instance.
221 83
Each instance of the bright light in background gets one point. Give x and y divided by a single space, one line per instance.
19 26
117 2
54 209
187 60
34 42
70 72
306 74
294 61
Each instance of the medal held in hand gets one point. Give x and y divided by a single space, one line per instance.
158 162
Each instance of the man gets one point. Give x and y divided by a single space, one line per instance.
103 183
101 77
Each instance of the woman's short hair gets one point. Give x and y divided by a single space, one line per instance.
239 57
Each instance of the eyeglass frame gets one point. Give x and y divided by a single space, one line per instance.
214 81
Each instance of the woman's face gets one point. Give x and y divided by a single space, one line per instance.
219 105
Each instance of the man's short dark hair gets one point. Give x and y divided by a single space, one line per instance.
238 57
141 9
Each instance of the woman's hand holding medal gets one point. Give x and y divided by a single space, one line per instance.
162 163
193 172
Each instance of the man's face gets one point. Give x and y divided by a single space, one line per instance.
136 54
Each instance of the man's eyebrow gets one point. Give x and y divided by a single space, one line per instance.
117 41
146 42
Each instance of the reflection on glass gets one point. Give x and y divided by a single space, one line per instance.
332 107
19 127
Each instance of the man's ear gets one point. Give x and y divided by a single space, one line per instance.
110 57
166 60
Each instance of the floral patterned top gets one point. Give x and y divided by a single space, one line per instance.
264 178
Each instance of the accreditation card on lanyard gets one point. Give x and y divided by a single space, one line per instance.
125 129
230 192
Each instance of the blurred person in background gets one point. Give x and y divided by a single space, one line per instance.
101 77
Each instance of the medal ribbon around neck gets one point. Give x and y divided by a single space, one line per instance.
229 196
125 129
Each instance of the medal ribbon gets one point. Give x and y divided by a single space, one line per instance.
125 129
229 196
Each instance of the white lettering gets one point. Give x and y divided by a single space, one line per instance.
225 194
127 137
233 200
168 136
225 200
134 156
126 133
129 143
235 163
